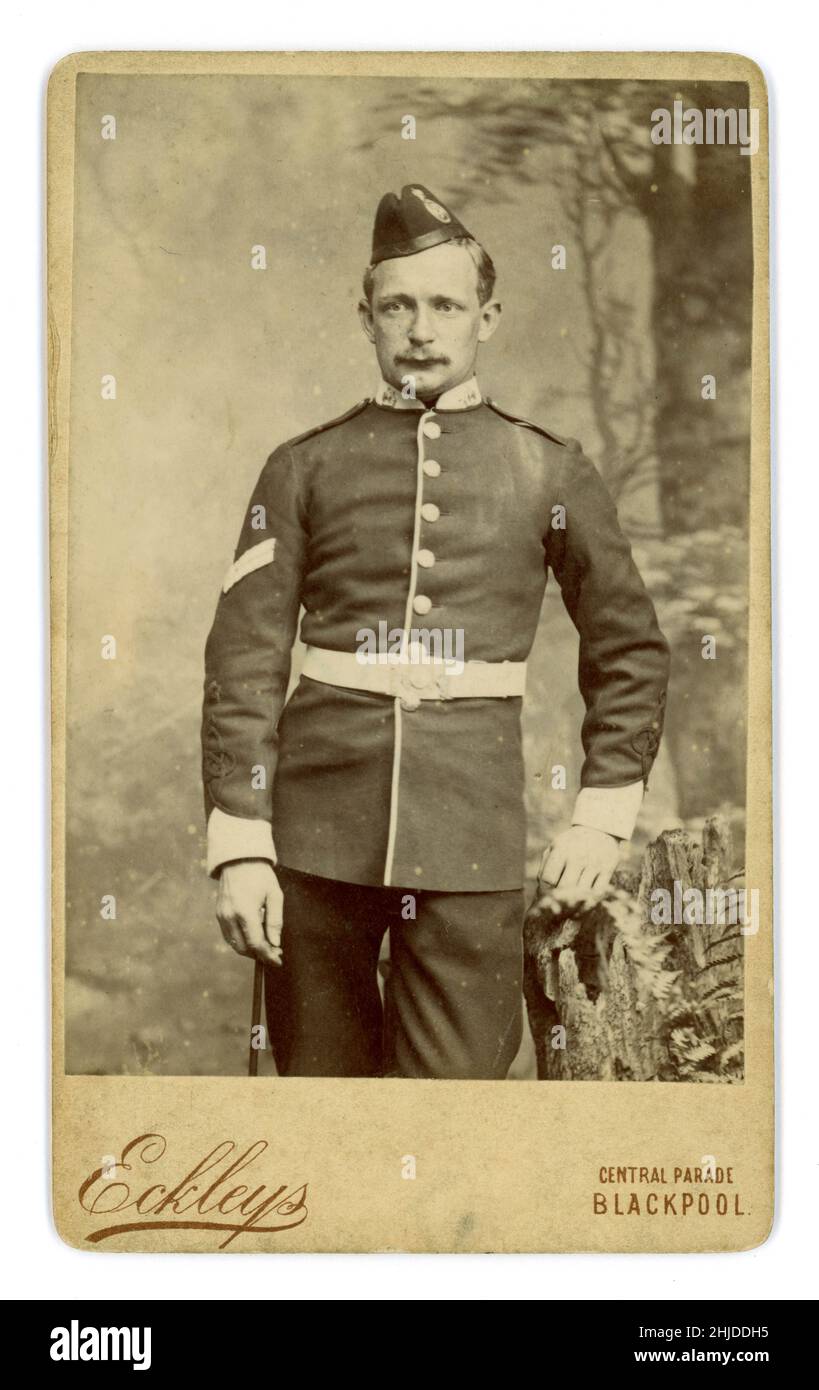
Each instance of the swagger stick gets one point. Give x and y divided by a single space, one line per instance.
255 1018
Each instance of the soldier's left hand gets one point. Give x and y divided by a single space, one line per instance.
578 866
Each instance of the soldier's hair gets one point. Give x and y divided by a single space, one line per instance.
483 265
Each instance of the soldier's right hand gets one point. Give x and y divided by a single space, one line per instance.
249 909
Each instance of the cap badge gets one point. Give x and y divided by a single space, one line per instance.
434 209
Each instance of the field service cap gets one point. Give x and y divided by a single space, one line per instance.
412 223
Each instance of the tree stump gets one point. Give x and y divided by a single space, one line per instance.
628 991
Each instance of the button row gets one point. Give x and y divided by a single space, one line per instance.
432 469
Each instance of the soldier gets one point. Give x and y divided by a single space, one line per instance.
387 793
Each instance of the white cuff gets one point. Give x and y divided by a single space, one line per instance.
613 810
233 837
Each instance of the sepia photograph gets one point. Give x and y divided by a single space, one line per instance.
410 642
408 578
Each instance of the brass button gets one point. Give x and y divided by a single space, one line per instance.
431 429
410 702
421 603
432 468
430 512
426 559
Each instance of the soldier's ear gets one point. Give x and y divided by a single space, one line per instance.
490 318
365 318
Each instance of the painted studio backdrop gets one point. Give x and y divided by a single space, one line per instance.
216 361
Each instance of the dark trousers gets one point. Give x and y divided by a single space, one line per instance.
453 1004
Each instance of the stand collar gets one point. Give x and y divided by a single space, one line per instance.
458 398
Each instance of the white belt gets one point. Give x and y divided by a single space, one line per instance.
412 681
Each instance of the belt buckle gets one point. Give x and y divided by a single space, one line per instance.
418 681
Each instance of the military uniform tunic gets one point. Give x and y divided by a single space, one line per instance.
447 518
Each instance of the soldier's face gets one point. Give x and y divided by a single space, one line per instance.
426 320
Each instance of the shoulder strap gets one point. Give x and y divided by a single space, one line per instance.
569 443
330 424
